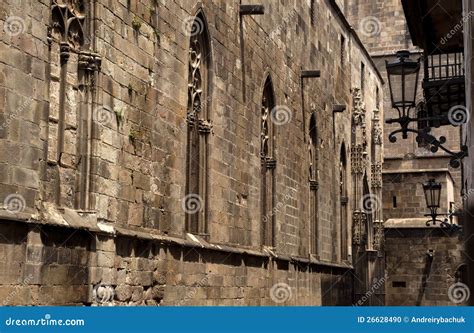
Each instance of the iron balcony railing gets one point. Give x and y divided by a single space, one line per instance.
443 86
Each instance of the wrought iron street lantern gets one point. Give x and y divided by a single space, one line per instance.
403 75
403 82
432 190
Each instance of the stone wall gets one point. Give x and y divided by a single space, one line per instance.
381 25
423 265
44 265
404 198
94 138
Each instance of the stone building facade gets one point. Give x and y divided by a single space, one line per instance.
410 243
187 153
428 261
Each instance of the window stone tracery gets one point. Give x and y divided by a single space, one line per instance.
199 126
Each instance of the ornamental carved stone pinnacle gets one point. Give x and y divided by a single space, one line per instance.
358 159
378 235
359 219
376 171
377 128
358 113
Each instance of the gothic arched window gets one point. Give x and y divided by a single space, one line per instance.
199 126
343 211
268 163
313 183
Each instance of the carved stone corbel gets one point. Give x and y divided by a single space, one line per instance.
269 162
358 159
89 61
88 64
376 171
344 200
64 51
204 126
313 185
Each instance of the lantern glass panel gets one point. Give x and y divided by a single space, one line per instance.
432 191
403 79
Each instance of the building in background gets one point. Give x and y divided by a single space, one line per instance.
422 262
176 153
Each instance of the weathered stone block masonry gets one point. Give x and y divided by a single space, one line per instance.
114 113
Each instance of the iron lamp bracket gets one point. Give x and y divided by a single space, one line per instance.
425 136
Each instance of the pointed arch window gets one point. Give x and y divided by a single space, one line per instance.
199 126
268 164
343 209
313 183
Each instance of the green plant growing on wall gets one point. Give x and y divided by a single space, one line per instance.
136 23
151 11
134 135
